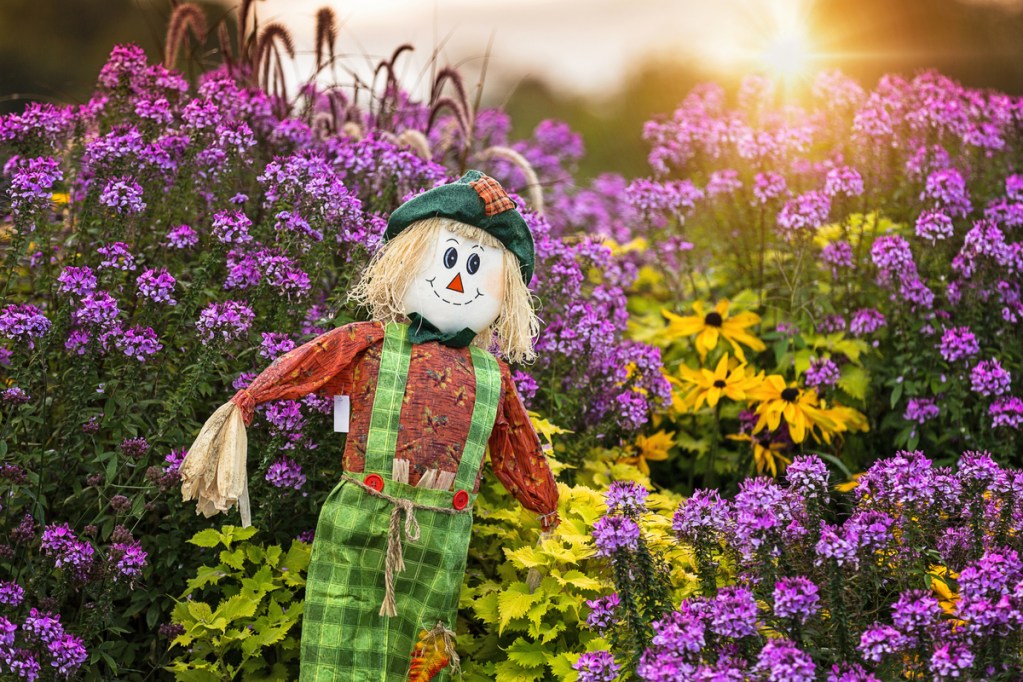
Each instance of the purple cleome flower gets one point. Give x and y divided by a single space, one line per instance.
11 593
808 476
934 226
139 343
921 410
182 237
1007 412
124 195
822 372
796 598
274 345
701 518
613 534
231 227
951 662
768 186
23 323
843 180
839 255
866 321
839 544
781 660
41 626
225 321
989 378
733 613
804 213
603 613
78 281
67 653
878 641
117 257
626 497
597 666
157 286
958 343
285 473
129 559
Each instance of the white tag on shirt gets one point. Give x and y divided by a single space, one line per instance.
342 413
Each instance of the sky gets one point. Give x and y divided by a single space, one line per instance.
582 46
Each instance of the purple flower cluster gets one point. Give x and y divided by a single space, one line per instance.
921 410
182 237
989 378
23 323
61 544
124 195
866 321
285 473
139 343
958 343
157 286
597 666
822 372
796 598
1007 412
77 281
603 613
613 534
225 321
627 498
934 226
804 213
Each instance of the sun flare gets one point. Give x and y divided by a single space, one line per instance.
772 37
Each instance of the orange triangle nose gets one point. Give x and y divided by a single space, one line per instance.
456 284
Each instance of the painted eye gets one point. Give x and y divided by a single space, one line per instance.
473 264
450 257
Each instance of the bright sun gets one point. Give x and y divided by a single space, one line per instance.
767 36
787 56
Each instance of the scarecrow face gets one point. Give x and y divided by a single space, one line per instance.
460 284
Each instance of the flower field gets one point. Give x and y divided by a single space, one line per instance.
779 375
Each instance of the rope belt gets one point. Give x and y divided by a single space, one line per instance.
395 562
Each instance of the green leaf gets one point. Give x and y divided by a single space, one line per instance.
510 671
200 611
854 381
273 555
235 559
255 553
208 537
527 654
236 607
514 603
896 394
580 580
206 575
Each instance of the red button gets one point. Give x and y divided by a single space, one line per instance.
460 500
375 482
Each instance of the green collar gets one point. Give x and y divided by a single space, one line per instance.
422 330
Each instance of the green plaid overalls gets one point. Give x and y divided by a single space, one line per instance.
344 637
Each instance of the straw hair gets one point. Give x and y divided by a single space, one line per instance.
394 267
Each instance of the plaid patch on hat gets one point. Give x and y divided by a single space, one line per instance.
494 198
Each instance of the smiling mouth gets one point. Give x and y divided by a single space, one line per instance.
437 294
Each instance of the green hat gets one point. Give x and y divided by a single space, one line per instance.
478 200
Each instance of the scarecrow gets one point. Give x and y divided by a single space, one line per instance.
427 399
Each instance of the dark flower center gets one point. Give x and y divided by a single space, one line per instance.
790 394
720 383
713 319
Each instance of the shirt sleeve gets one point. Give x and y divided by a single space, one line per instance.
309 367
518 459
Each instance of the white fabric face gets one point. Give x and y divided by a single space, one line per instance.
460 284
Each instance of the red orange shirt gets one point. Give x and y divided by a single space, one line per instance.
435 413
